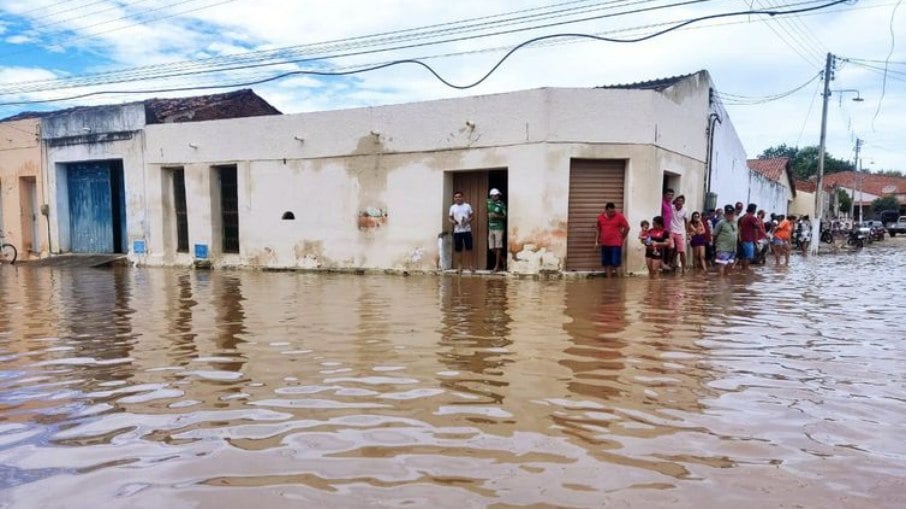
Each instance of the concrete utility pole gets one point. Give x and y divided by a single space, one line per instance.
857 164
816 222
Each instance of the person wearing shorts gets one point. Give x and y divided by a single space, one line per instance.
748 234
726 236
611 229
461 219
496 227
780 243
679 224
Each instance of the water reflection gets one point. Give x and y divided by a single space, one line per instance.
474 338
182 388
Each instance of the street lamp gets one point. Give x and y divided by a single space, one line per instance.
857 98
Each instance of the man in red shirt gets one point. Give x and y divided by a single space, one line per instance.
748 235
611 230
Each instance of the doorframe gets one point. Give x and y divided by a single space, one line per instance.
60 215
482 262
28 214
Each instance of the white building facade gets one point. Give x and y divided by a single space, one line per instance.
369 188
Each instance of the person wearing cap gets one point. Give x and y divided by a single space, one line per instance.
726 236
748 235
496 218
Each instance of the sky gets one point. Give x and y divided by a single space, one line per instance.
52 49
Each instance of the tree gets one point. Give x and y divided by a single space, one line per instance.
846 203
886 202
891 173
804 161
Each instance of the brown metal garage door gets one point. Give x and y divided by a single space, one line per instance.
592 183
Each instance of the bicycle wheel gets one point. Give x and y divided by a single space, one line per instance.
8 253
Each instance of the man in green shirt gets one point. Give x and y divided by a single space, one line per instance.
496 218
726 236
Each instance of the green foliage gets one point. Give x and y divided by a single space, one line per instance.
886 202
804 161
846 203
891 173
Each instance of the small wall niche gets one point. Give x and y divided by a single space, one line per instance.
288 216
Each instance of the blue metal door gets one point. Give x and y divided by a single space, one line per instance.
90 208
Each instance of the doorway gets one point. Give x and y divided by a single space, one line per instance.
592 183
97 207
28 198
475 186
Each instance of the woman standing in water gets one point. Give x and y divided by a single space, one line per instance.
696 234
780 242
657 242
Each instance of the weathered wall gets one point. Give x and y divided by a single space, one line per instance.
20 159
803 204
95 134
328 167
729 170
771 196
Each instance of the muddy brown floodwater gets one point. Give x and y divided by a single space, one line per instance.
149 388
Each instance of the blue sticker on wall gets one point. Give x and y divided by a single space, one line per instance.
138 247
201 251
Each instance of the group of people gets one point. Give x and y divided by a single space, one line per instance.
734 236
461 216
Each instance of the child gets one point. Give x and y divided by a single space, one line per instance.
644 235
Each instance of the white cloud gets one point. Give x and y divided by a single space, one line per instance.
743 58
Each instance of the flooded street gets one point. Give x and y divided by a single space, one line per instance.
165 388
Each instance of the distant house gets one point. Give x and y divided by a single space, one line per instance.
72 180
22 190
771 184
865 187
236 104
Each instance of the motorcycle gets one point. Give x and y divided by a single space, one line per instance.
856 238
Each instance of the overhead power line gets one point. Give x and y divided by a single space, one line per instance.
893 41
356 46
740 100
435 73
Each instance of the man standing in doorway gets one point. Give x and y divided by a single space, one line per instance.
461 218
611 230
679 225
496 218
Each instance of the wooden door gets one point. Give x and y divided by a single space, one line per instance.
474 187
592 183
90 208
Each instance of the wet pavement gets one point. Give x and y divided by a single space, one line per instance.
166 388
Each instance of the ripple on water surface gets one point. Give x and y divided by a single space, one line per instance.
135 388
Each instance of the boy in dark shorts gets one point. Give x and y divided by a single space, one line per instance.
461 219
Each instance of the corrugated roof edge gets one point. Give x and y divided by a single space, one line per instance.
656 84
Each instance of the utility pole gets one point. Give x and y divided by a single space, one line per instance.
857 164
828 76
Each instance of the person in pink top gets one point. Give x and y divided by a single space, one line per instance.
667 207
611 229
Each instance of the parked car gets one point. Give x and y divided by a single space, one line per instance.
876 230
899 227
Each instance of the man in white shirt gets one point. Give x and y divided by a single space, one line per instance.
679 224
461 218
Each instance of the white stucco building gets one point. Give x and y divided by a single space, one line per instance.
771 185
369 188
